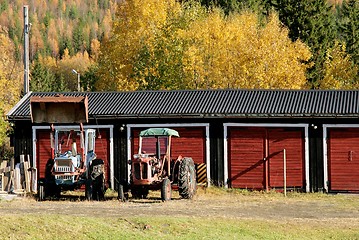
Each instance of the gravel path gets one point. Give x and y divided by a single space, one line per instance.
328 208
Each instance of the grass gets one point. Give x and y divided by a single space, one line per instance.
45 225
36 226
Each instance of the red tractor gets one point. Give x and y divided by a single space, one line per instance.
153 169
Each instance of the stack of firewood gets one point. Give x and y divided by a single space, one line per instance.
17 178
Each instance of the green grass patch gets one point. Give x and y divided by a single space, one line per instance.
44 226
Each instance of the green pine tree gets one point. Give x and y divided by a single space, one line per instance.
349 27
313 22
42 79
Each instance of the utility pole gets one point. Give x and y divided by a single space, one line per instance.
26 49
78 79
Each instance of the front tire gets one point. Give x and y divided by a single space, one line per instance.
166 191
187 184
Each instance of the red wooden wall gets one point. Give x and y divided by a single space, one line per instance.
256 157
343 159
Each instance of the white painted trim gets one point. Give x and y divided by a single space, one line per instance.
35 128
325 149
225 155
208 158
112 166
207 143
299 125
128 151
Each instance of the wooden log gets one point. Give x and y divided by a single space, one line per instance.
17 178
27 177
4 176
34 180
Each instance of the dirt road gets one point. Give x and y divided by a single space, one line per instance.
299 207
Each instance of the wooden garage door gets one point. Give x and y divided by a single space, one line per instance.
343 159
191 143
256 157
292 141
43 150
246 153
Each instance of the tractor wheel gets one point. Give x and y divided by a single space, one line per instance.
41 194
166 191
187 184
98 188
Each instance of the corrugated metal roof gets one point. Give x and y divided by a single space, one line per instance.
211 103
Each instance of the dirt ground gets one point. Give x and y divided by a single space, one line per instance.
300 207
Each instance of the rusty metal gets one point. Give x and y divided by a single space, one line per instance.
59 109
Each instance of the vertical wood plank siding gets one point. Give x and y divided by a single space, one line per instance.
343 159
292 141
246 153
250 148
43 151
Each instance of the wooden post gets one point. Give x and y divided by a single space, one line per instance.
285 171
27 175
3 177
34 180
17 181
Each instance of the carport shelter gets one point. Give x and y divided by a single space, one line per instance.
237 138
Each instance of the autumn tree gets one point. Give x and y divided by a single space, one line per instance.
340 71
58 25
237 52
195 48
312 22
138 23
42 78
50 74
10 82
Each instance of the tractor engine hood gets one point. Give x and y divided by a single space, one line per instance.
59 109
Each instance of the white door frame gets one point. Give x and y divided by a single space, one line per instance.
169 125
279 125
110 127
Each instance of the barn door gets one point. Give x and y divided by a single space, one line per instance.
290 139
256 157
246 158
343 159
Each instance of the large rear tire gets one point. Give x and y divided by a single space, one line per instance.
166 191
187 184
97 180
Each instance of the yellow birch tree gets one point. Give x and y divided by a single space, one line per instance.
10 82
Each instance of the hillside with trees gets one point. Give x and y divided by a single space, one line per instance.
142 44
123 45
64 35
